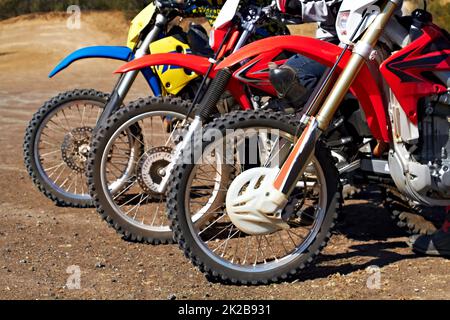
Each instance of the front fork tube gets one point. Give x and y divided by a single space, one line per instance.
206 109
303 151
298 159
126 81
117 96
208 104
194 128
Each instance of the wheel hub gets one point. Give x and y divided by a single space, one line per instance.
152 168
75 148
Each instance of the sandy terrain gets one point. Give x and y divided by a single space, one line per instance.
39 241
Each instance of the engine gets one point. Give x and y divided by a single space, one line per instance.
419 162
433 148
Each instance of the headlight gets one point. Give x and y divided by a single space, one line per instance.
341 23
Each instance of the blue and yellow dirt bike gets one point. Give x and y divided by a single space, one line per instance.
57 139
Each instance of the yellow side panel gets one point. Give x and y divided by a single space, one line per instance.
173 79
138 24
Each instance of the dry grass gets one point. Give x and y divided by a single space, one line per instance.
307 30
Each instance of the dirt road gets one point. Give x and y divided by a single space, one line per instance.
39 242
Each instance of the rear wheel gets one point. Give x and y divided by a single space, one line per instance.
198 189
413 218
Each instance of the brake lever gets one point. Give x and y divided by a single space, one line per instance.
172 6
290 19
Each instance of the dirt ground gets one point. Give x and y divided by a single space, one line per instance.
39 241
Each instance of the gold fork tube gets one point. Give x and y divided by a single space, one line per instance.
298 159
356 62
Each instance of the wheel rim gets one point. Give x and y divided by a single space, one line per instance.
136 205
226 245
53 149
71 145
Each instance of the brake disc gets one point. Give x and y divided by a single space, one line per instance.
152 169
75 148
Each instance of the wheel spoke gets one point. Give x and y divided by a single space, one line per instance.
212 224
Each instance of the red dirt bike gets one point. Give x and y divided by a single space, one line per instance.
265 185
57 139
131 196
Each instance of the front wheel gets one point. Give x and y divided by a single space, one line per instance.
137 212
56 145
242 141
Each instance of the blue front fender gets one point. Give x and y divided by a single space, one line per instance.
106 52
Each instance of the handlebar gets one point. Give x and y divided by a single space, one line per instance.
269 12
272 12
168 4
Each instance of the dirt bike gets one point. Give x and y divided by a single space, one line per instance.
57 138
269 217
165 124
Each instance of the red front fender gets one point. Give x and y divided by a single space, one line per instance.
192 62
365 87
323 52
